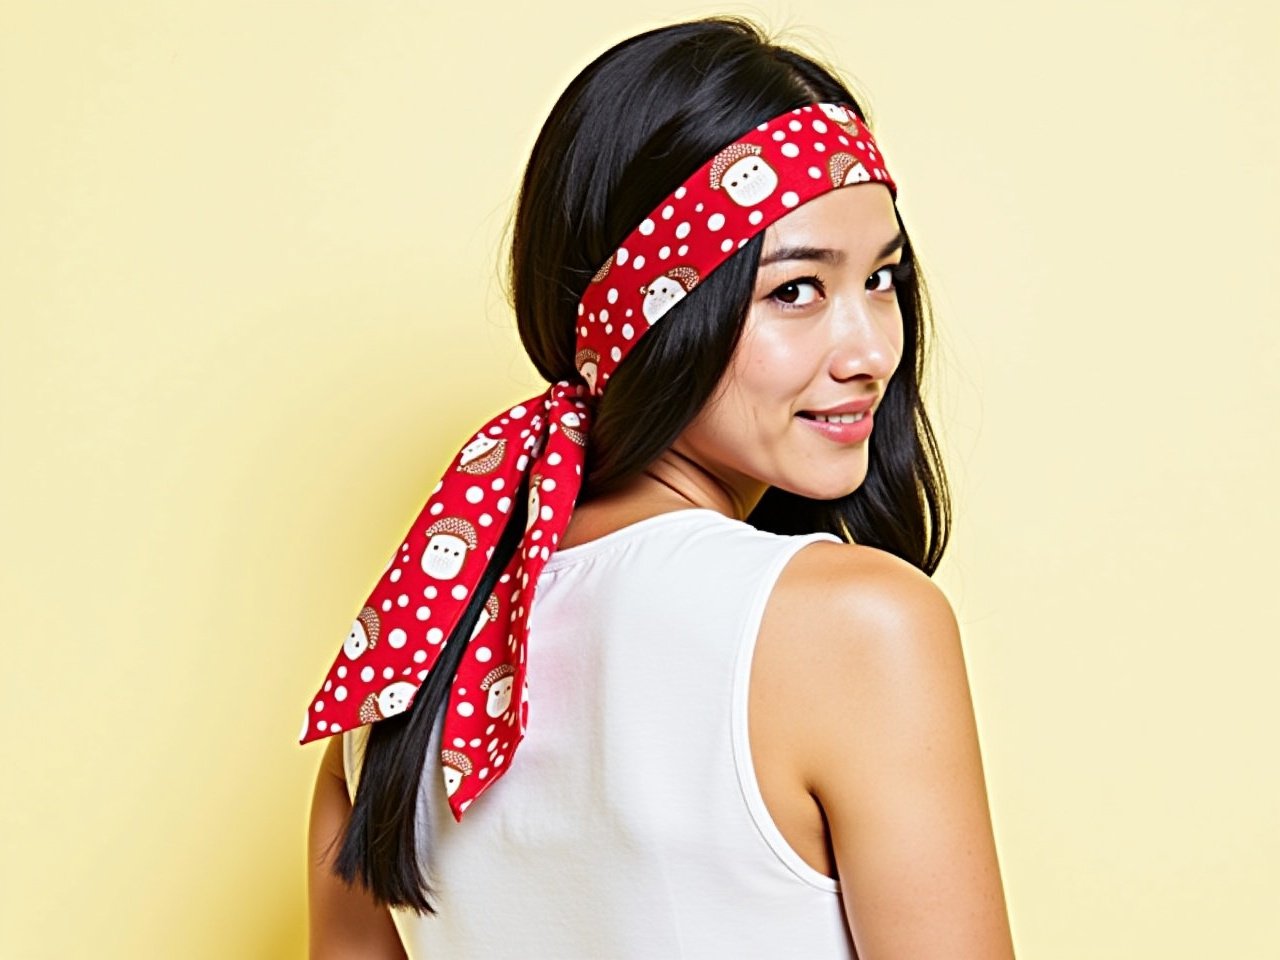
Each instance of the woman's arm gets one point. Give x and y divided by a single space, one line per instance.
893 758
345 922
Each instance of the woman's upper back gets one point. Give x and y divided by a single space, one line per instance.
631 823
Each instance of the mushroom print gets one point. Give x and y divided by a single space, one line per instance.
482 455
841 117
395 698
497 683
588 363
488 614
448 540
363 635
743 174
535 501
571 424
845 168
392 699
454 766
667 290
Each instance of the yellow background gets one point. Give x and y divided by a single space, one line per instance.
250 300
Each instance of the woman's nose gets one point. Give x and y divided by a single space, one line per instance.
868 342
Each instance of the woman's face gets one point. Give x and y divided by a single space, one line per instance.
823 330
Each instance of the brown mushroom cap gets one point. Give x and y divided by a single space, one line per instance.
488 461
372 625
686 276
496 674
604 270
459 527
839 165
369 712
459 761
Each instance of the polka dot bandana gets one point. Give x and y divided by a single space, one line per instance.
746 186
539 446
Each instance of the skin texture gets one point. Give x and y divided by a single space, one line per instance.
877 781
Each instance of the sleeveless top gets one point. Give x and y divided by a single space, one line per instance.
632 825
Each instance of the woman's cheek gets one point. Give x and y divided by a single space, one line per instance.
776 366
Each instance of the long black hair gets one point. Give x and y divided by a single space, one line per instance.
629 128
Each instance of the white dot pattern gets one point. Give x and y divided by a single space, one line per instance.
772 169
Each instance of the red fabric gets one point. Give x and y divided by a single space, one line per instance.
399 633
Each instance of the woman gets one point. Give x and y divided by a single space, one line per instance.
749 730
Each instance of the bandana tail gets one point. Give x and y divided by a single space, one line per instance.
488 708
399 633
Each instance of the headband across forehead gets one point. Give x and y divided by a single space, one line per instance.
537 450
747 185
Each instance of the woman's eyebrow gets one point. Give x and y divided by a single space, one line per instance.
826 254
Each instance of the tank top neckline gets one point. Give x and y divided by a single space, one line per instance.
621 535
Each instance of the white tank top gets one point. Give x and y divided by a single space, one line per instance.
630 824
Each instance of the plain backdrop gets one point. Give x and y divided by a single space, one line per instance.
251 303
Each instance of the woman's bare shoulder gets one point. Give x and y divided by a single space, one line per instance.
863 617
867 669
848 616
831 588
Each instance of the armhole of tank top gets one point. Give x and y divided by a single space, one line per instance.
743 762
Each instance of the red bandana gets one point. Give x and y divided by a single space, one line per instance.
427 584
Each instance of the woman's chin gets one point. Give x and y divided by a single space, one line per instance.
834 487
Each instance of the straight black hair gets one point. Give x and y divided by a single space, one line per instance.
683 92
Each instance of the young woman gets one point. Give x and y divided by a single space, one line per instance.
745 728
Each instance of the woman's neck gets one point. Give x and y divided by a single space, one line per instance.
675 480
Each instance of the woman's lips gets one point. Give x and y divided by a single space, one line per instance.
841 432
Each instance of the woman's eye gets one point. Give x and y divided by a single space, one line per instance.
886 277
798 293
893 274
